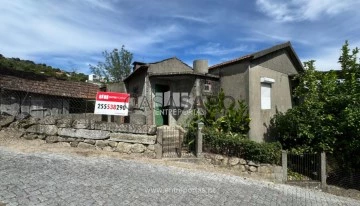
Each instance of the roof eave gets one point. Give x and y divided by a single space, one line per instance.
231 62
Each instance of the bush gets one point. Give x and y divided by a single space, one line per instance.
237 145
230 120
225 132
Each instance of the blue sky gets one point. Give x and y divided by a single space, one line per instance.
71 34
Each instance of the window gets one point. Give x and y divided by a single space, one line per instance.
265 96
207 86
266 92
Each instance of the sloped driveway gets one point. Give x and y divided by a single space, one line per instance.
62 179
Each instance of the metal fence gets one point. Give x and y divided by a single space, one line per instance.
304 167
342 175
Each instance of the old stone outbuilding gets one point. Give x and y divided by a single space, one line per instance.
40 95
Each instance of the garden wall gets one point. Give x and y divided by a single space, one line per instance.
265 171
87 132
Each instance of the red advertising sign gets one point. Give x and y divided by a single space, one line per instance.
112 103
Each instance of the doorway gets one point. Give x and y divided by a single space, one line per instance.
162 95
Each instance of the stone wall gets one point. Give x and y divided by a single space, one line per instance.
87 132
266 171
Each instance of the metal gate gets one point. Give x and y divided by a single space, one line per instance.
172 140
304 167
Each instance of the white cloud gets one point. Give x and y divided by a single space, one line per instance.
73 28
216 49
325 61
299 10
192 18
71 33
327 58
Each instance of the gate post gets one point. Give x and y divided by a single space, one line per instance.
284 165
159 143
323 170
199 139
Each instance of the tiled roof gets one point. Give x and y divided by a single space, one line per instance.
40 84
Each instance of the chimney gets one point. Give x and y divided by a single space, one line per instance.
201 66
137 65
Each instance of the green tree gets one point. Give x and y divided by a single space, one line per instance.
76 76
116 67
328 115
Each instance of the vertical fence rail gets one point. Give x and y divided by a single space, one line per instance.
171 142
304 167
284 165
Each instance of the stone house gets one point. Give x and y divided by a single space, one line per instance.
162 92
40 95
262 79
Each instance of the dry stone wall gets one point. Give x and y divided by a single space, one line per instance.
267 171
87 132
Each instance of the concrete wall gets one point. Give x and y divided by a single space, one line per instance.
280 100
242 81
116 87
170 65
277 61
135 87
277 66
234 80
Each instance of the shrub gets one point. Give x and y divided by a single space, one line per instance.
233 120
237 145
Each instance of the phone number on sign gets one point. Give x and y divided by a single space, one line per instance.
111 106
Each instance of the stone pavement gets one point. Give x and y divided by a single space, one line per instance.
58 179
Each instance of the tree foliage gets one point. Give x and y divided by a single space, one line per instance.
328 115
219 117
116 67
228 122
234 118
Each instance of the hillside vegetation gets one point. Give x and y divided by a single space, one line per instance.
30 66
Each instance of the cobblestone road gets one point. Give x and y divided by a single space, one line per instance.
57 179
